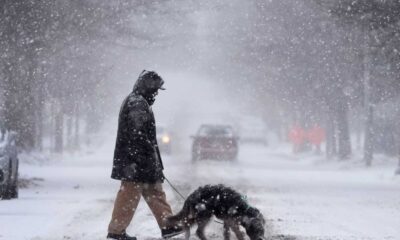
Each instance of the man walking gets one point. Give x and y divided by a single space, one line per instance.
137 161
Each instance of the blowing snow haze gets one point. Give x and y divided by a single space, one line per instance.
281 61
309 87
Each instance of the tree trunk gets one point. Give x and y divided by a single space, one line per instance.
344 144
398 166
10 106
369 140
30 103
368 137
330 136
69 132
39 131
52 126
358 130
59 129
77 127
19 105
398 144
39 102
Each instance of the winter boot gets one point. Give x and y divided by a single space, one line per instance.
171 231
122 236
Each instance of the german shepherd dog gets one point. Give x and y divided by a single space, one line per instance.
225 204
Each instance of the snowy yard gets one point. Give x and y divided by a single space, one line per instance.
72 198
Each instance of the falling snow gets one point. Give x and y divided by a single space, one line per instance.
309 88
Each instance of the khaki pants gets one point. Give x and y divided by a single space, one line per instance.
127 200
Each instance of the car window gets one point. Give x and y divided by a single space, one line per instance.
215 131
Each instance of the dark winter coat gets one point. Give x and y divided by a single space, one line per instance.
137 157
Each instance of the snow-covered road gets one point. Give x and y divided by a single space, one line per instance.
73 198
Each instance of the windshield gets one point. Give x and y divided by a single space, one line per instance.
215 131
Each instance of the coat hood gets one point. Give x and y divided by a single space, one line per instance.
147 83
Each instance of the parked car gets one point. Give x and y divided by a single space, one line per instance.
253 130
8 166
216 142
164 139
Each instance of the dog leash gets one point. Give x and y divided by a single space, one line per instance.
176 190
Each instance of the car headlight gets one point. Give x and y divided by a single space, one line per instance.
165 139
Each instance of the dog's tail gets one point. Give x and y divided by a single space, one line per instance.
181 217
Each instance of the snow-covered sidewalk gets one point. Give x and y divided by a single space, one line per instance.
72 198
